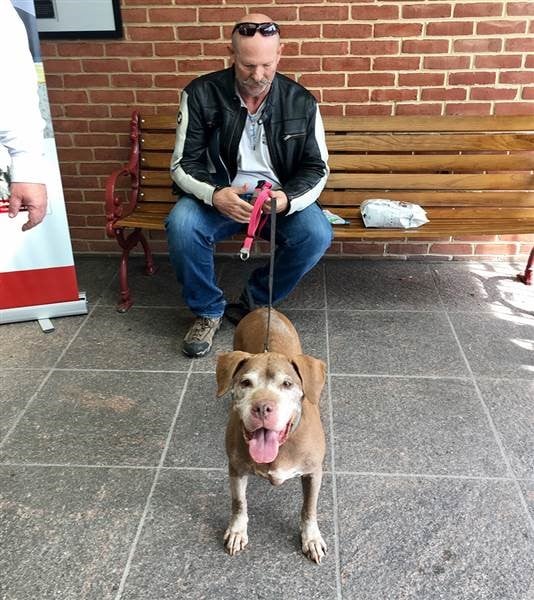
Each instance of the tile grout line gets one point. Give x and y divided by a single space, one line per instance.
497 437
339 592
182 308
47 376
345 472
400 474
159 468
466 378
110 467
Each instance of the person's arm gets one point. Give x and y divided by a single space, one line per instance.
21 124
307 183
189 160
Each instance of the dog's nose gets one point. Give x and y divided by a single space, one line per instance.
262 410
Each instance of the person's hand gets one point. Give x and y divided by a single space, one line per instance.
33 197
228 203
281 201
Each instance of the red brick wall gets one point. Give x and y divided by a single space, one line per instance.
359 58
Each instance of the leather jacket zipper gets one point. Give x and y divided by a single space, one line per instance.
289 136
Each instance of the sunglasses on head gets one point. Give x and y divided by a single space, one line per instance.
249 29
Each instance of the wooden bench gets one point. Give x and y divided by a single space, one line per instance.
473 176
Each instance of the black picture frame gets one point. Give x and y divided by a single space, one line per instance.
75 19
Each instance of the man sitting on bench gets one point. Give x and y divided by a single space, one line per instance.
235 127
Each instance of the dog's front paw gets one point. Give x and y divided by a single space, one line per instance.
313 545
235 540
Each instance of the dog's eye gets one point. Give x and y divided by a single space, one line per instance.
287 383
245 383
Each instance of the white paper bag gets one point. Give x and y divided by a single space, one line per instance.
384 213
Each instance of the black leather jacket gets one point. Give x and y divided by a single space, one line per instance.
211 121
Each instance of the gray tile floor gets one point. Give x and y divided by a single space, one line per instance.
113 477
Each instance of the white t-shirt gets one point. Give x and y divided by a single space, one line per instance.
254 159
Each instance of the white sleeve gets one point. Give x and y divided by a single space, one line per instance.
302 202
201 190
21 124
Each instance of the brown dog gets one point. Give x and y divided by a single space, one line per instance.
274 429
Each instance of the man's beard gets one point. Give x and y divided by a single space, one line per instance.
255 88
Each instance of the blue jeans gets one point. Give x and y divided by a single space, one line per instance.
193 228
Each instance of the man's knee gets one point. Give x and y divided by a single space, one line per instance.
182 223
180 218
325 234
316 231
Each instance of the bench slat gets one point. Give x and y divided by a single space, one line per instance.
397 123
146 221
156 160
162 194
387 181
164 122
429 143
459 163
155 178
436 227
157 141
388 143
431 198
432 124
462 213
354 197
161 208
395 162
395 181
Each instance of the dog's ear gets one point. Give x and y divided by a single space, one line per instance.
312 372
227 365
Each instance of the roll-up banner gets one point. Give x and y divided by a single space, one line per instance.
37 274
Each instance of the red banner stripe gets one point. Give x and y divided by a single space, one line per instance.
38 286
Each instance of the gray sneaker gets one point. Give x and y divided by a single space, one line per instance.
199 339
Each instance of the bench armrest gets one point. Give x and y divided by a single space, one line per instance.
115 208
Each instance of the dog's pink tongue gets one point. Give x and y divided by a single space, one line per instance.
263 447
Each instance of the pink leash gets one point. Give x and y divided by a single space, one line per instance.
257 221
254 227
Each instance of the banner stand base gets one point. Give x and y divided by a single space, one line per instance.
46 325
44 312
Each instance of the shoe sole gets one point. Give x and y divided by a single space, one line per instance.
197 354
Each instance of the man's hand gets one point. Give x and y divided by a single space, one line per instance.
281 201
228 203
33 197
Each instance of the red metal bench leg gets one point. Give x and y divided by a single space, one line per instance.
150 267
127 244
126 301
526 277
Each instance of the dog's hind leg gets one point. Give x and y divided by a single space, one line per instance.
313 545
235 537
